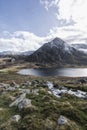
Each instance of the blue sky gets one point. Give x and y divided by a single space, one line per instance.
27 24
26 15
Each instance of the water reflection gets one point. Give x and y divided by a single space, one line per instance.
68 72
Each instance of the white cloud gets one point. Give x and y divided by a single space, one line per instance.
67 33
75 9
49 3
72 27
21 41
72 15
67 9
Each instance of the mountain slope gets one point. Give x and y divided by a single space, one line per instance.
27 53
81 47
13 53
59 53
7 53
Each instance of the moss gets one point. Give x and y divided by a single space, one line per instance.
76 87
45 111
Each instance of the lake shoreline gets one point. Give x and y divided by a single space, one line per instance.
63 72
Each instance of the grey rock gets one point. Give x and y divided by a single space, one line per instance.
63 90
34 91
82 81
18 100
25 103
2 85
26 84
13 84
62 120
35 83
10 89
27 91
16 118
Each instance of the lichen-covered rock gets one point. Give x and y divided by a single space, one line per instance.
27 91
13 84
2 85
12 98
26 84
35 91
11 89
16 118
35 83
25 103
62 120
18 100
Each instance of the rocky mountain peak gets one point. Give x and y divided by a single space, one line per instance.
58 52
57 44
58 41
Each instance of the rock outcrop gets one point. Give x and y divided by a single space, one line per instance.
58 53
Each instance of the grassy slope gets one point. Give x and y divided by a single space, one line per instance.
45 114
47 107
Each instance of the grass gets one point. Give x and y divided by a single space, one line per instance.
45 113
46 108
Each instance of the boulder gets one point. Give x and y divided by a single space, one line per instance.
26 84
16 118
82 81
35 83
25 103
12 98
10 89
49 92
27 91
18 100
62 120
2 85
44 85
35 91
15 85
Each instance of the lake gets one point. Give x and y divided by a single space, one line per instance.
66 72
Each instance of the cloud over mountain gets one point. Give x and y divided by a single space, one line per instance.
69 22
20 41
72 17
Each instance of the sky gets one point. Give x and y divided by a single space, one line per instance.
26 24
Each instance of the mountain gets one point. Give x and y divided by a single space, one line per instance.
81 47
27 53
13 53
58 52
9 53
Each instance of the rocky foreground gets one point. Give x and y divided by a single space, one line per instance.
43 105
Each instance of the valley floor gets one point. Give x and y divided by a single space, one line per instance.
30 103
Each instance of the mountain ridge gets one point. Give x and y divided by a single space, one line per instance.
58 52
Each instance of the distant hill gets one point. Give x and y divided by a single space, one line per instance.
59 53
26 53
13 53
6 53
81 47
